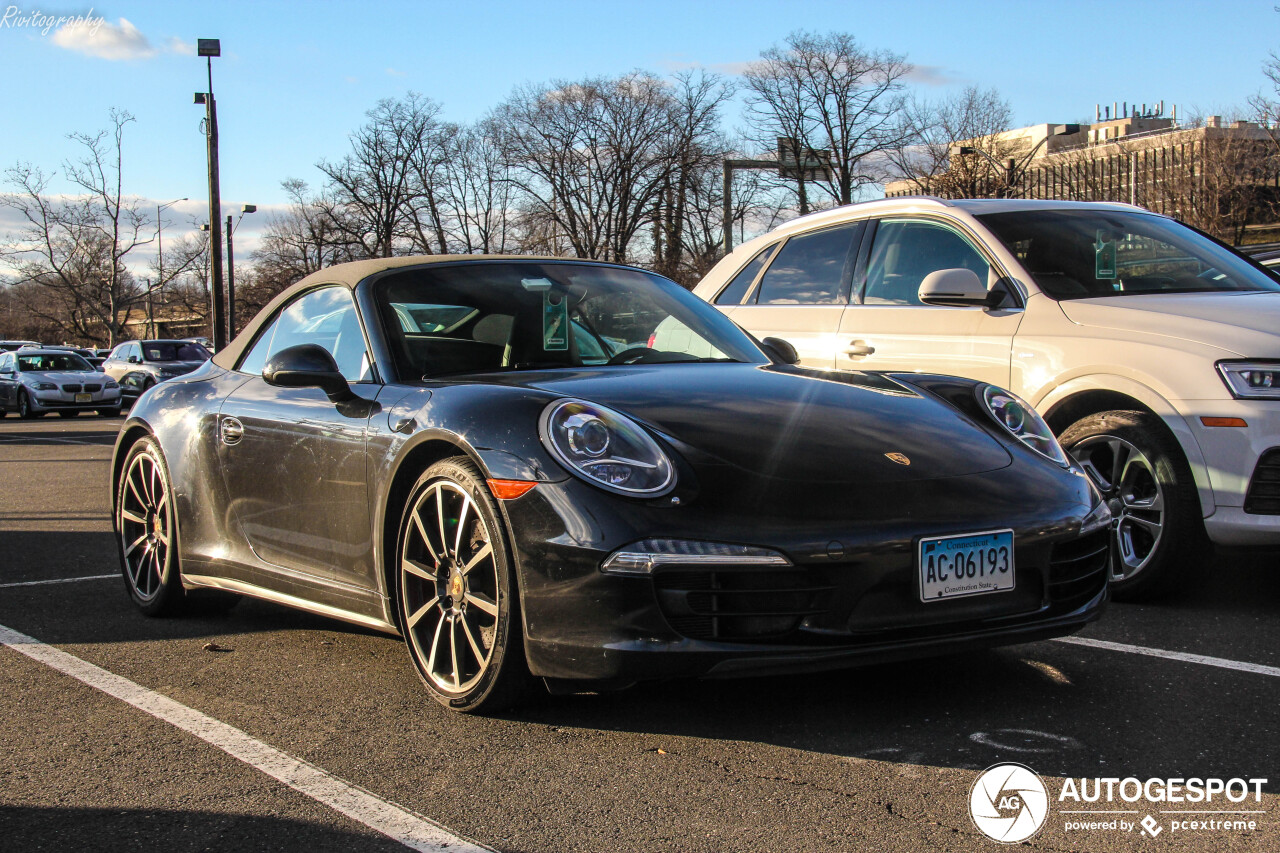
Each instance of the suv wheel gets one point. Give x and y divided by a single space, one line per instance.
1158 540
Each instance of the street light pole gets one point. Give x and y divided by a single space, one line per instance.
231 267
151 320
210 48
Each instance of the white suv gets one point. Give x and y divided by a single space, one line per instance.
1152 350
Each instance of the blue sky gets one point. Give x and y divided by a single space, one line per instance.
296 78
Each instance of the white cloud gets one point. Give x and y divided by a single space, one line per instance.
177 45
107 41
930 75
395 73
733 69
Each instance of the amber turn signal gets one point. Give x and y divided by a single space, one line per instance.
1223 422
509 490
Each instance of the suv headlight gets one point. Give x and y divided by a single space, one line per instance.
1251 380
1023 423
606 449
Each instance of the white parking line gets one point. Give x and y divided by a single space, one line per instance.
60 580
396 822
1222 663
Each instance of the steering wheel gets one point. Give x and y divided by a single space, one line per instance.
627 356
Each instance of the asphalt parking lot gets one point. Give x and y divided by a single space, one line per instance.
294 714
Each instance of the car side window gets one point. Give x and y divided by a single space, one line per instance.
732 295
325 317
811 269
906 251
6 363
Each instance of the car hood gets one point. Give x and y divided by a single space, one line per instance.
68 377
788 423
175 366
1245 324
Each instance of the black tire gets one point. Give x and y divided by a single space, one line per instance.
110 413
146 532
66 414
468 589
1158 541
24 407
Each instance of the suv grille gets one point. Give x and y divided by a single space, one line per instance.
1264 489
741 604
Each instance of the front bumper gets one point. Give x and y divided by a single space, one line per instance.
851 596
65 401
1231 456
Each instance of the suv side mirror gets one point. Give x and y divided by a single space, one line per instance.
307 366
956 287
780 350
135 359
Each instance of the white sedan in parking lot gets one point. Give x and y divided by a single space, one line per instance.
1152 350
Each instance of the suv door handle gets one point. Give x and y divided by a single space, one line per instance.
232 430
859 347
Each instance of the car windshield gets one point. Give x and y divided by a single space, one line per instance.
471 317
52 361
1079 254
174 351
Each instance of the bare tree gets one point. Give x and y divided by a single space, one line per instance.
73 248
478 192
590 158
305 238
376 193
931 131
829 93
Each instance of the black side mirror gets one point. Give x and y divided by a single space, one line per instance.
781 350
307 366
135 359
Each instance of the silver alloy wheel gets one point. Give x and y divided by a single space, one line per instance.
145 523
1129 485
449 587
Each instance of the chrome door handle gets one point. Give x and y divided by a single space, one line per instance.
232 430
857 348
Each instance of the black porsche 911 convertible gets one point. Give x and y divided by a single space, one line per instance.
581 473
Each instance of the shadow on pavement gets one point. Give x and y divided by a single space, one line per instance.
47 828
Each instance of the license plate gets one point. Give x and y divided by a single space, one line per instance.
84 398
968 564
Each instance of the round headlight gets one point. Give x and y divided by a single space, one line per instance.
1023 423
606 448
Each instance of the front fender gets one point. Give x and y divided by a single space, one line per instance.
1055 396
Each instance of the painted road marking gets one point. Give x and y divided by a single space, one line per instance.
410 829
60 580
1184 657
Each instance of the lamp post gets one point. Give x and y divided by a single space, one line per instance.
231 270
210 48
151 320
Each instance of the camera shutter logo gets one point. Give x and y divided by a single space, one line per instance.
1009 803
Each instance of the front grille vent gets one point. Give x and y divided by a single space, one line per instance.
71 388
1264 489
739 604
93 388
1074 566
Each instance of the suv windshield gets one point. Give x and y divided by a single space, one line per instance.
446 319
52 361
174 351
1079 254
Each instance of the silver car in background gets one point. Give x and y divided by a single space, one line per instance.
34 382
138 365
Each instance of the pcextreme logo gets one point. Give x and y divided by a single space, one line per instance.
1009 803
